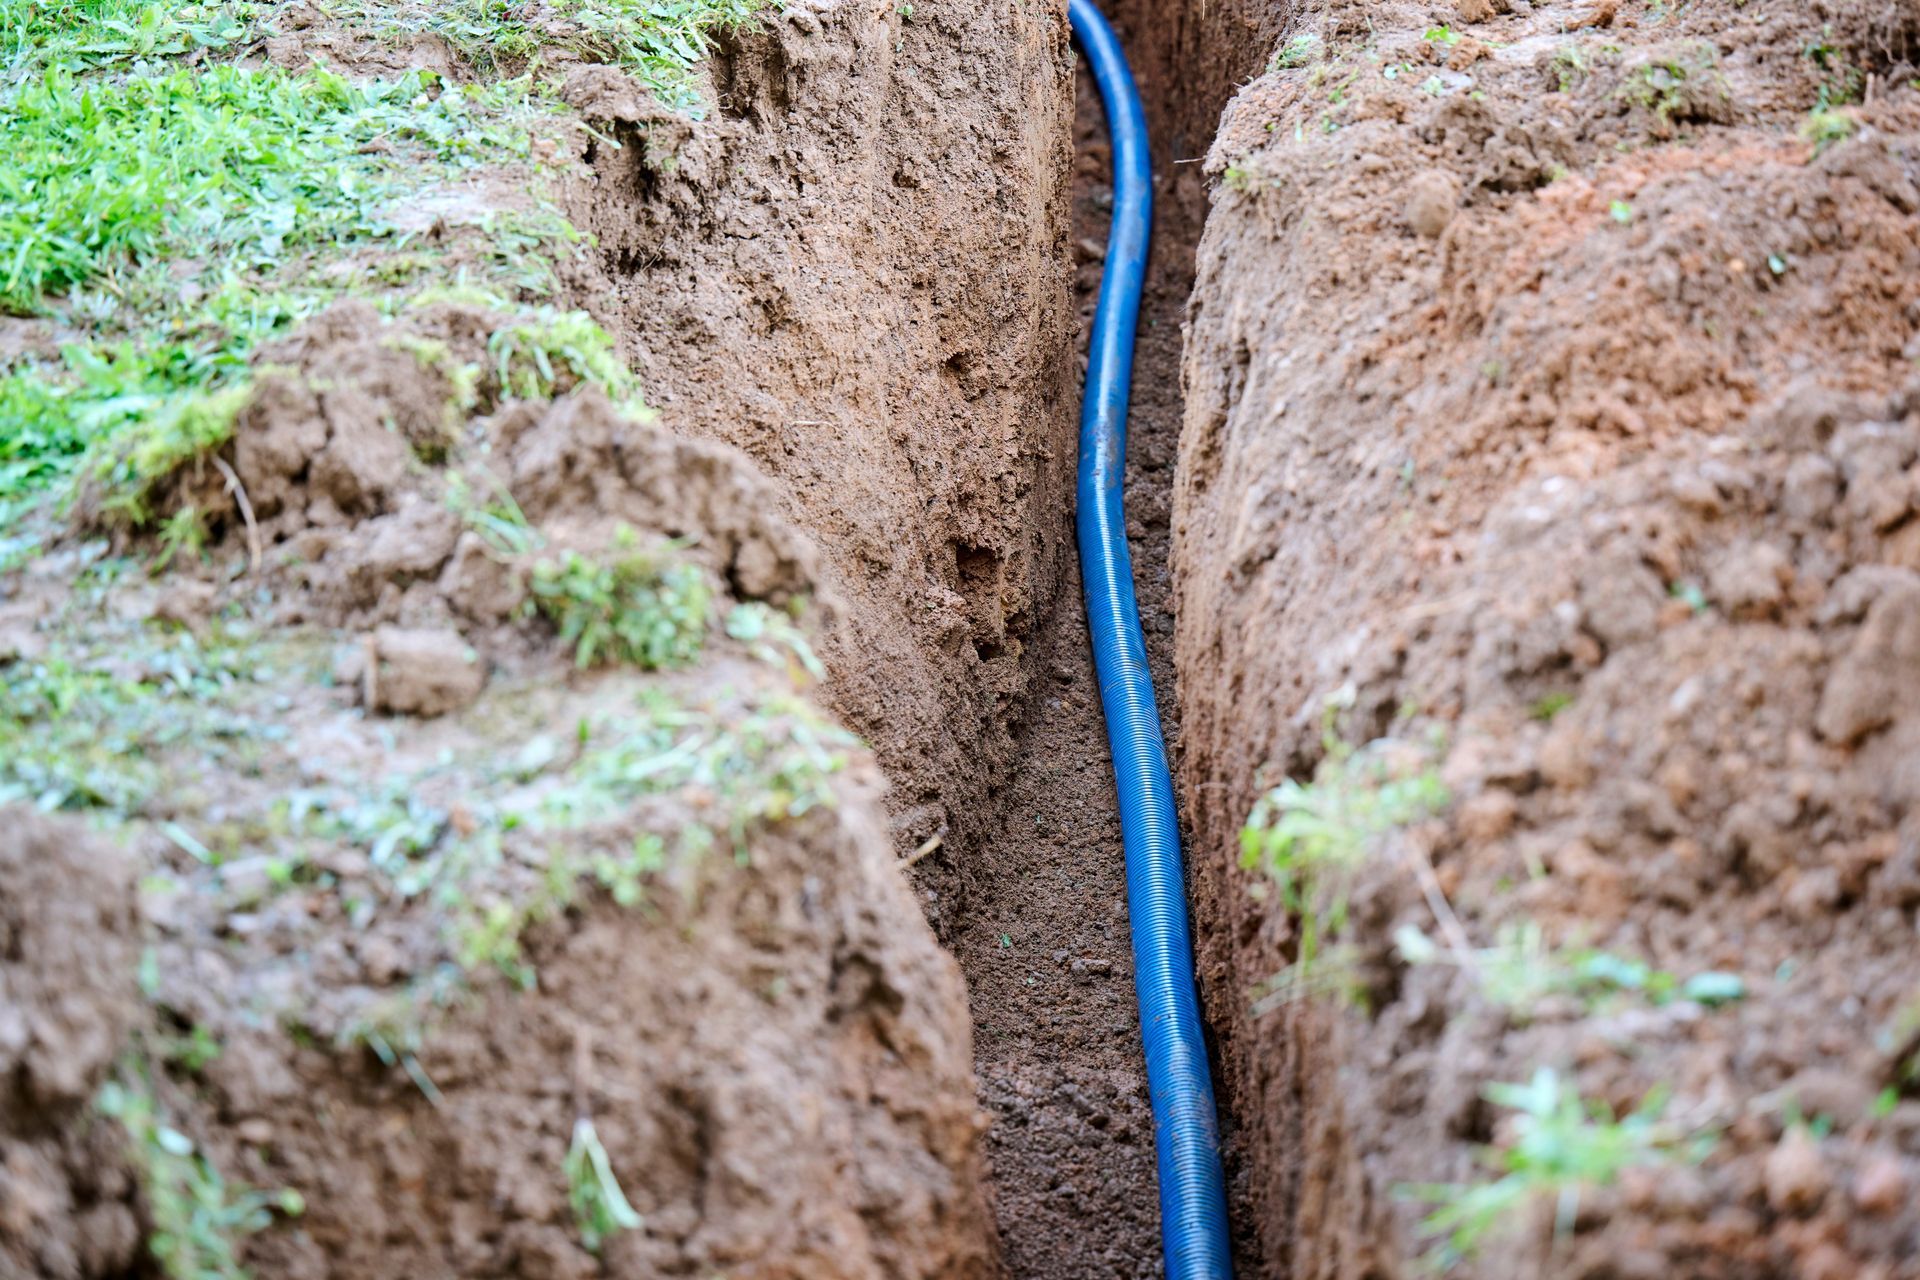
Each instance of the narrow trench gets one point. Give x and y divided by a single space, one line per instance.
1045 945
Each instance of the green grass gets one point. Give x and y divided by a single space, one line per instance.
765 762
197 1218
1301 49
77 734
1562 1147
660 41
546 353
90 34
229 168
636 606
181 220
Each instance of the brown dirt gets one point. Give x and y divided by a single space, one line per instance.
775 1054
69 946
1560 405
855 273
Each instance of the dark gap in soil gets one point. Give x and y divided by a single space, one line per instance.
1045 946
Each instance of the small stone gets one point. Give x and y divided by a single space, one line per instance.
257 1130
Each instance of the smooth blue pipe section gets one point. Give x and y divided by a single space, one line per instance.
1193 1209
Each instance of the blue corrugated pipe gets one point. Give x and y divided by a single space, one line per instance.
1193 1209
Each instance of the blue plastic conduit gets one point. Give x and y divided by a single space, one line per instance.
1193 1210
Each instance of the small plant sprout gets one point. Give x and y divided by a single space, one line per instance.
1562 1146
600 1208
1824 127
1621 212
775 639
1309 838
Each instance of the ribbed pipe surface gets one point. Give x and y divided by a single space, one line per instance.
1193 1212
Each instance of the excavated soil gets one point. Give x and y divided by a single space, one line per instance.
1551 416
847 294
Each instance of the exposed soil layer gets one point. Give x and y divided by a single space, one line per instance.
857 273
1551 428
417 897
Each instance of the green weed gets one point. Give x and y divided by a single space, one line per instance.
1685 86
1301 49
636 606
775 639
1521 969
194 1052
600 1208
1823 128
1570 67
1308 838
1562 1147
1549 705
498 519
197 1218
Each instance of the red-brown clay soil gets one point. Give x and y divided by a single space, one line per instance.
1551 415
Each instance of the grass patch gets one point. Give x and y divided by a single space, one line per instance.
1562 1146
183 219
76 733
636 606
659 41
85 35
230 168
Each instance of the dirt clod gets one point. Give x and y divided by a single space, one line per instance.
422 672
